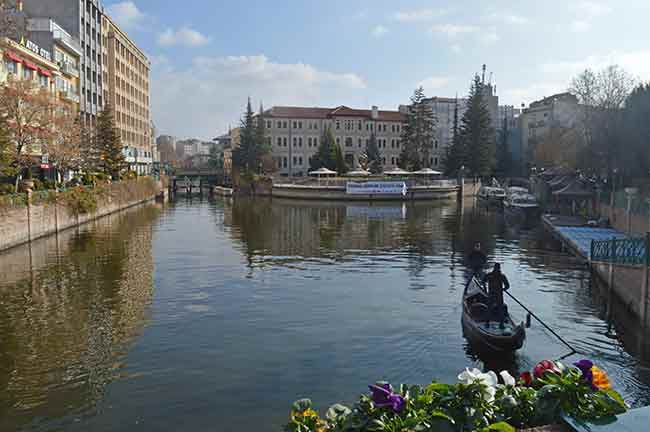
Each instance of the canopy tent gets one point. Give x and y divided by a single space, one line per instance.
397 172
322 172
426 172
358 173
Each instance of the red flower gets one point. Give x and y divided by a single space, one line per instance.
526 378
543 367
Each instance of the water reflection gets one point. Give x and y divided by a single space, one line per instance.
66 320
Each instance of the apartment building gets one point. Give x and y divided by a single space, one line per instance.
560 110
126 77
25 60
444 109
65 52
294 134
82 20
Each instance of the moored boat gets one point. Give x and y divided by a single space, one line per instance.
480 327
521 204
492 195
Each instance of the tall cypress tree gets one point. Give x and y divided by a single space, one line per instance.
323 156
373 154
338 159
503 157
246 157
108 145
476 132
419 133
454 157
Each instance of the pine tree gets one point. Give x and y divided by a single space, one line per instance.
246 157
373 154
419 133
323 156
109 145
476 132
260 134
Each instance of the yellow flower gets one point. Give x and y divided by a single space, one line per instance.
601 380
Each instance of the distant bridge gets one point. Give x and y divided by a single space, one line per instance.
194 180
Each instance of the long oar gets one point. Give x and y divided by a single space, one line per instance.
573 350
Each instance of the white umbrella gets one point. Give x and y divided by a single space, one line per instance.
322 171
397 172
427 171
358 173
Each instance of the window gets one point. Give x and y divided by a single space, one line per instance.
359 142
309 142
338 140
295 124
435 145
392 160
268 124
279 142
383 161
279 124
435 161
360 124
12 66
284 141
284 125
284 162
295 160
300 160
315 142
299 141
338 125
27 73
392 143
43 81
299 125
295 141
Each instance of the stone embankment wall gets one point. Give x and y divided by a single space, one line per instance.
23 224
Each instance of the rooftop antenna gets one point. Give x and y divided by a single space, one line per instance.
483 79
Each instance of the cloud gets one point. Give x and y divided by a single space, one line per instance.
590 9
454 30
379 31
558 74
183 36
418 15
489 37
210 93
579 26
434 83
507 17
126 14
456 49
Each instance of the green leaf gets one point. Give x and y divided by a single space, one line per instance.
502 427
616 396
337 412
301 405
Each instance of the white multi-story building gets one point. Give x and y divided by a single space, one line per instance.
561 110
444 109
295 133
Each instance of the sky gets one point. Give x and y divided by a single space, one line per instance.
209 56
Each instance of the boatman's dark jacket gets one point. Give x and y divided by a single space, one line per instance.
497 282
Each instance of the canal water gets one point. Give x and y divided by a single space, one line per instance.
215 315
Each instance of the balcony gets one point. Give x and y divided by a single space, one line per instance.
69 69
64 37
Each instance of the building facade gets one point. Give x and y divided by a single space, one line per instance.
444 109
294 134
82 19
25 60
126 77
560 110
65 52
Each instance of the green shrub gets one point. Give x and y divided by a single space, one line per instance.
6 188
38 185
80 200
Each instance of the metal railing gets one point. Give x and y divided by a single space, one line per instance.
630 251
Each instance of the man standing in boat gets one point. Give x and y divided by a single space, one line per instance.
497 283
477 260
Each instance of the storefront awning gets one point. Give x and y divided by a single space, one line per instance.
12 56
45 72
29 65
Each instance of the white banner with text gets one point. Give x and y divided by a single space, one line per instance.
375 188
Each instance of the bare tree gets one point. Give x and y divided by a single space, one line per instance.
28 110
64 147
12 21
602 96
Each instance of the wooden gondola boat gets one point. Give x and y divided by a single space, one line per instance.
481 329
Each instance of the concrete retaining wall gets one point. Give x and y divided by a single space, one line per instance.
23 224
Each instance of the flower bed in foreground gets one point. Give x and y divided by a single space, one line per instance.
478 402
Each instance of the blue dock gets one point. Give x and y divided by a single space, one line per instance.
576 236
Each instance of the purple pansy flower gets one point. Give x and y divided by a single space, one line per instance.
383 396
585 367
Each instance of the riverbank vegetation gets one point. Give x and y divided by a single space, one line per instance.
478 402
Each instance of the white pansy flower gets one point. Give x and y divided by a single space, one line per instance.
469 376
507 378
489 380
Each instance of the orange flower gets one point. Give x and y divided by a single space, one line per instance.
601 380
